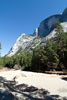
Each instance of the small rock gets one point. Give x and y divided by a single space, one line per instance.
17 67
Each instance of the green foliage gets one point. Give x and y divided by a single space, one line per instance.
61 46
53 57
1 62
59 28
22 59
39 59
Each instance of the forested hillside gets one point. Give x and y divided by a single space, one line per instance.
53 55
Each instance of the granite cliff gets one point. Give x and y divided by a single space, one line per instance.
45 31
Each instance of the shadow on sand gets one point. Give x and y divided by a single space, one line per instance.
64 78
10 91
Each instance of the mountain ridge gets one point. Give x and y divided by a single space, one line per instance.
45 31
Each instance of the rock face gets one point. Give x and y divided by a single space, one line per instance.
47 25
36 32
21 43
46 28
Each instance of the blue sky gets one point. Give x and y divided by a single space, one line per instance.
18 16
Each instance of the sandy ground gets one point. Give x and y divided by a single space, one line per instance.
53 83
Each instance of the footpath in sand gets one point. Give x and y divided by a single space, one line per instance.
54 84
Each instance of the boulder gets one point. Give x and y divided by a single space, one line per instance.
17 67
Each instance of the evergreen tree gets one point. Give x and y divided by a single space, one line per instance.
59 28
53 58
39 59
61 39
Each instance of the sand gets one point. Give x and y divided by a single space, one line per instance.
51 82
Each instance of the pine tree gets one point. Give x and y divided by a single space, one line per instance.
59 28
61 39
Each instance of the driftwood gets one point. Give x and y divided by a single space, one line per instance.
56 72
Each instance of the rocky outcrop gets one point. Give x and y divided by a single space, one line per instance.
36 32
52 33
48 25
25 42
21 43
